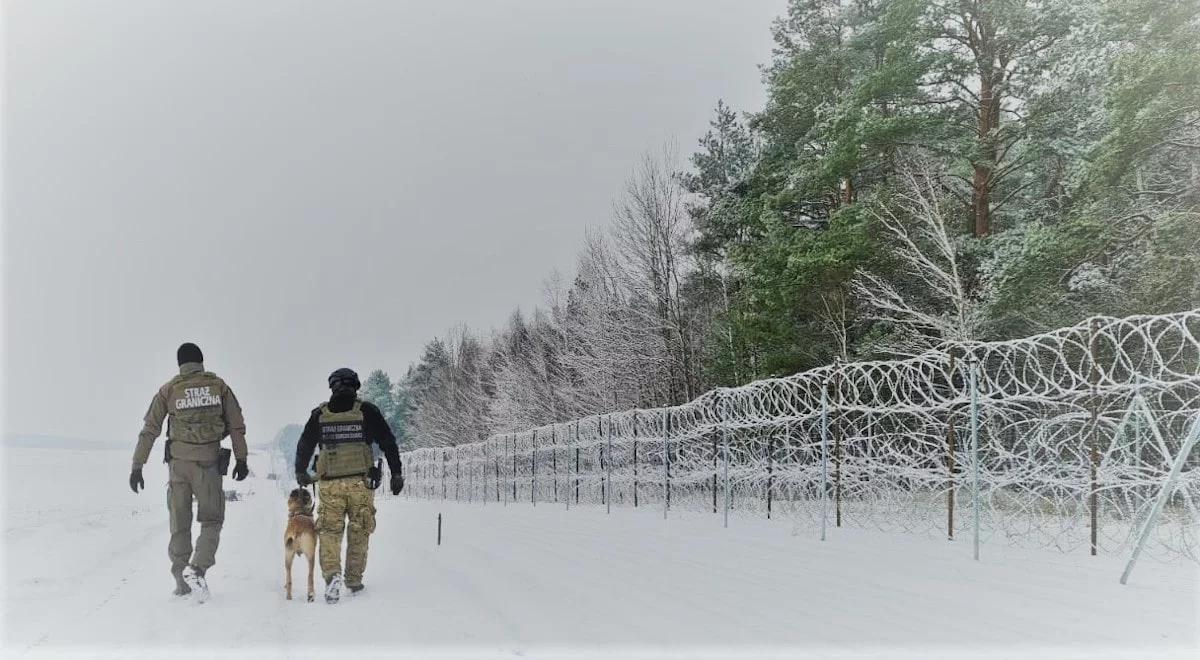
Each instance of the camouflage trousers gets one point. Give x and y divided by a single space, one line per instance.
343 500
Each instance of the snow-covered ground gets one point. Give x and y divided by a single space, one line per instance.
85 574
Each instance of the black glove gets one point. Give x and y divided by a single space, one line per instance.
397 484
303 479
240 470
374 477
135 479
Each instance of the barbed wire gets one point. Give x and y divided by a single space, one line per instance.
1068 456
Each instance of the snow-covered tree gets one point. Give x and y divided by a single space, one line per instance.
650 235
926 300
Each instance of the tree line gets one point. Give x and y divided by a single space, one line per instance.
922 171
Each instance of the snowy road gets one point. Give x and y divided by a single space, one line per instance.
86 574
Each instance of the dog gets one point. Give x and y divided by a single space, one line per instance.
300 538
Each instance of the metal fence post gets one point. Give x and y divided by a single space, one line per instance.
837 444
1094 436
608 467
951 438
666 462
714 480
975 450
1168 489
770 469
533 471
725 437
567 498
635 459
824 456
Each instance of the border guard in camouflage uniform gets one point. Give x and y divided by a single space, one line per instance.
344 428
200 411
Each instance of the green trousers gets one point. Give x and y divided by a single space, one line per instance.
188 480
343 500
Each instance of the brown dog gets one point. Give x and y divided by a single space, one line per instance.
300 537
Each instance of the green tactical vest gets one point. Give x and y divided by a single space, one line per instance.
196 410
344 448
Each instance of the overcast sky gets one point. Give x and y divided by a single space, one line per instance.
299 186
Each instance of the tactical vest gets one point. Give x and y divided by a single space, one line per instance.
196 409
344 448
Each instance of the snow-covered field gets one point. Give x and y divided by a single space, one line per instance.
85 574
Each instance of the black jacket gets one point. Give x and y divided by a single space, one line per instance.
375 426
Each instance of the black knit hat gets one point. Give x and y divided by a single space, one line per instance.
344 380
189 352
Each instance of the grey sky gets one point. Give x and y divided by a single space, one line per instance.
298 186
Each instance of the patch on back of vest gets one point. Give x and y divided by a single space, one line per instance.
197 397
197 410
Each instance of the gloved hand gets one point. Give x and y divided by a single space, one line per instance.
135 479
304 479
240 470
397 484
374 477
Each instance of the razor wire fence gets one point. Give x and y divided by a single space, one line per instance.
1075 433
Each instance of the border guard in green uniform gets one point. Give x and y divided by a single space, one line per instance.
200 411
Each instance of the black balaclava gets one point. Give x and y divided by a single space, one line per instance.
189 352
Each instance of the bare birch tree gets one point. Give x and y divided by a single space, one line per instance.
650 231
932 302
